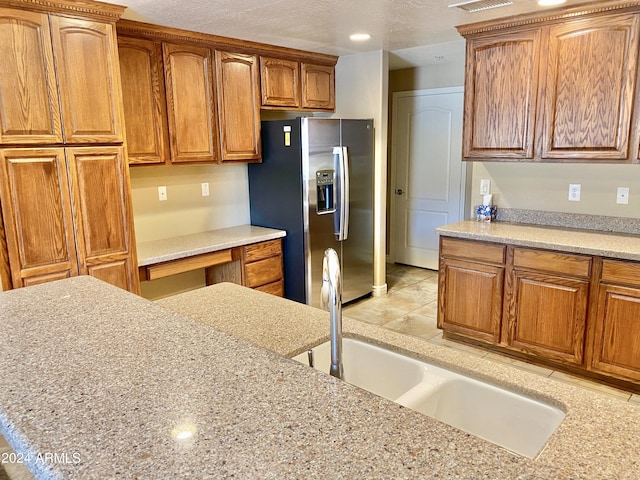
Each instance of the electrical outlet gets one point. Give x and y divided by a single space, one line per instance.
485 187
574 192
623 195
162 193
205 189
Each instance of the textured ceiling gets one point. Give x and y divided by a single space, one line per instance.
416 31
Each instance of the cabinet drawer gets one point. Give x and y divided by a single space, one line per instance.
473 250
275 288
259 251
616 271
552 262
263 272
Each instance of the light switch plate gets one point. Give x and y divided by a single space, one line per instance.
162 193
622 195
485 187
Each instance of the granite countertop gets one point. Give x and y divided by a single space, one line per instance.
173 248
589 242
108 381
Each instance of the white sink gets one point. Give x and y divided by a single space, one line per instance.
514 421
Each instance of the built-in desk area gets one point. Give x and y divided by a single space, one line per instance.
245 254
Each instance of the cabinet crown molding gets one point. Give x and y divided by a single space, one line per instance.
550 16
84 8
169 34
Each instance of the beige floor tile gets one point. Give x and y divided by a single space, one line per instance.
375 313
604 389
429 310
407 301
458 346
635 398
415 325
422 289
543 371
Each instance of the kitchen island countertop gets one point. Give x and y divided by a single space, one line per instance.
174 248
589 242
128 387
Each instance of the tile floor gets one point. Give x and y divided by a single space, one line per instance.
410 307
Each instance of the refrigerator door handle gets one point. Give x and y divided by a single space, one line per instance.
341 215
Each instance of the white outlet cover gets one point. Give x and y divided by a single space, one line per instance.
485 187
162 193
574 192
205 189
622 196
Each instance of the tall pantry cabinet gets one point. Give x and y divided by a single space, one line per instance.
64 183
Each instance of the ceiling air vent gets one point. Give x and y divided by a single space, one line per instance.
477 5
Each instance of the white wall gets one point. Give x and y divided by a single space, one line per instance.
361 92
186 211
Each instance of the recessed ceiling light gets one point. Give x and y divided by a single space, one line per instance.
547 3
360 37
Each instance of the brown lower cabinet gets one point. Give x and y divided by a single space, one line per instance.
569 311
258 266
66 212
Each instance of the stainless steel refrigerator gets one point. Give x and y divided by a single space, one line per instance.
316 182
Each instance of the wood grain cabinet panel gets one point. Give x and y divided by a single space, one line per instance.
102 213
191 108
29 105
318 87
616 347
262 267
238 83
590 82
144 101
280 82
470 299
86 60
501 88
547 316
37 216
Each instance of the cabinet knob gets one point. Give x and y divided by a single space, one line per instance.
399 191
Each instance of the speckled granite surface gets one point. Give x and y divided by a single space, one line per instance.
173 248
570 220
106 377
614 245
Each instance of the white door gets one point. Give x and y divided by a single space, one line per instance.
428 176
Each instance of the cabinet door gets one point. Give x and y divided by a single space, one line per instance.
102 214
280 82
86 59
617 333
29 106
238 106
470 299
547 315
501 89
193 129
36 211
144 100
318 87
589 88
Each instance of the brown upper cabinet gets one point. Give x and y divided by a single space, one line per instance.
554 87
80 56
280 82
144 100
237 78
191 106
294 85
205 108
318 87
589 87
29 105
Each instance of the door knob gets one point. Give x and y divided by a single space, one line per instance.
399 191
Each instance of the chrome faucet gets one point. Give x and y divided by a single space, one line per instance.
331 300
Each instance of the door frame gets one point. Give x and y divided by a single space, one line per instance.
465 180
